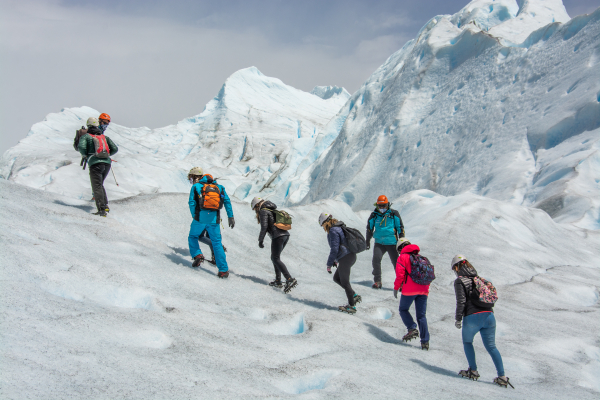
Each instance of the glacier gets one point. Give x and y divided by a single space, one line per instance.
483 131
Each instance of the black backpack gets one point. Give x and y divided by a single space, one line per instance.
78 136
354 239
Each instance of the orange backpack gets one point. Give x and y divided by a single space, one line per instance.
209 198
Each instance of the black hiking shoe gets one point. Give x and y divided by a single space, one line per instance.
100 213
223 275
198 260
357 299
377 285
412 334
503 381
290 284
347 309
424 345
473 375
276 283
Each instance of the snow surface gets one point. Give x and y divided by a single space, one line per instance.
111 308
484 132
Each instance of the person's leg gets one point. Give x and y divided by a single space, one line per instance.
215 236
378 250
96 182
407 319
104 175
343 272
470 328
204 238
277 246
393 253
196 229
274 246
488 336
421 311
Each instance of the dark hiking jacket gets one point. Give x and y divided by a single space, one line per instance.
87 149
463 287
267 221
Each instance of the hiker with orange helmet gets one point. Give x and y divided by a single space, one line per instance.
385 226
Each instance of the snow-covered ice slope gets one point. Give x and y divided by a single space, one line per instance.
496 100
245 136
110 307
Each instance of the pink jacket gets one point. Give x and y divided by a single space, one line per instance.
409 288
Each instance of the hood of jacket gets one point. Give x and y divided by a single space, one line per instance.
465 270
411 248
268 204
94 130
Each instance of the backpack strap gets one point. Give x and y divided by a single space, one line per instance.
197 210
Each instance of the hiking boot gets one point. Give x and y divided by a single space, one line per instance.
100 213
276 283
503 381
424 345
412 334
107 209
223 275
212 260
290 284
348 309
473 375
357 299
198 260
377 285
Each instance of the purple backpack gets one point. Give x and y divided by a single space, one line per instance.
421 270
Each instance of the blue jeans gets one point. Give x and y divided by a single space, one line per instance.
214 232
421 309
485 323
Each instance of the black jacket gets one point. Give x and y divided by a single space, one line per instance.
267 219
463 286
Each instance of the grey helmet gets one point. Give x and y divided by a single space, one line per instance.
255 202
323 218
402 242
457 258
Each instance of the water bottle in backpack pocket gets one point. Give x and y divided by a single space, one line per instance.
484 294
422 272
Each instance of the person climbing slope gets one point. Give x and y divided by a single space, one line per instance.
207 198
97 149
473 315
265 210
407 270
385 226
341 257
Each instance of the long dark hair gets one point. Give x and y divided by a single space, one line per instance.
257 210
329 223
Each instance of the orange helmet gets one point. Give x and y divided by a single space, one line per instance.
382 200
104 116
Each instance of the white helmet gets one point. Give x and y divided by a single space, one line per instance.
196 171
93 121
457 258
323 217
402 241
255 201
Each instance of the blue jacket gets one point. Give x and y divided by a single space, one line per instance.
209 216
337 244
385 228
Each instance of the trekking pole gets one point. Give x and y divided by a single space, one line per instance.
113 172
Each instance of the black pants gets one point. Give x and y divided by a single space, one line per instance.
378 251
98 173
342 275
277 246
204 238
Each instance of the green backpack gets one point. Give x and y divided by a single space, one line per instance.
283 220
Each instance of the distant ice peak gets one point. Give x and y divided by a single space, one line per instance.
327 92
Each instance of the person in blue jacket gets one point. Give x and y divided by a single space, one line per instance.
341 257
206 216
385 225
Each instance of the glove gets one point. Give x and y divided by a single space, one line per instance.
329 269
395 294
231 222
335 264
458 324
368 245
261 245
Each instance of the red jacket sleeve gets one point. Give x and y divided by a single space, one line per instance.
400 270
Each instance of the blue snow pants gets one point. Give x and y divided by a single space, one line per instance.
214 232
484 323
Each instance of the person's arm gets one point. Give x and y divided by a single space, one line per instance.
398 225
264 224
83 145
369 234
334 245
112 146
400 273
461 299
226 202
192 202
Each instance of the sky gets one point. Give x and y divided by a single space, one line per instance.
154 62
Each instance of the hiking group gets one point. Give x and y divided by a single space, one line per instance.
475 297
